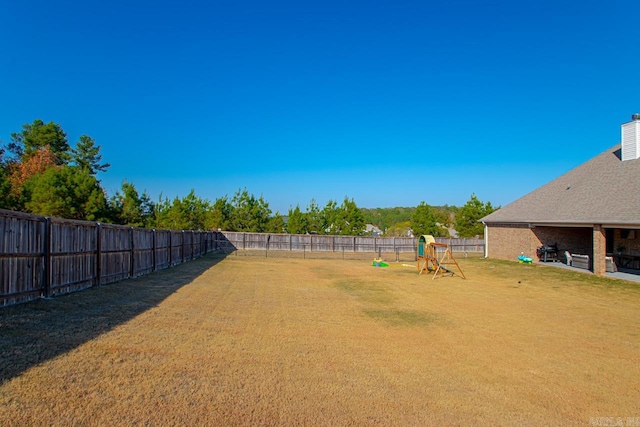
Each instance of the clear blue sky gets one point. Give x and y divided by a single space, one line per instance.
387 102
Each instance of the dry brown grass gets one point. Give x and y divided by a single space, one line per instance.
254 341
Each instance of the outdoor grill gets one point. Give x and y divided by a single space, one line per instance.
548 252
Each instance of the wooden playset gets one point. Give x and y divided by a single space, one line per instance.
436 257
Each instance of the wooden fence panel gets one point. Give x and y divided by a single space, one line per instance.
463 245
143 251
233 240
205 242
280 242
188 245
255 241
300 242
115 253
321 243
366 244
73 256
177 247
22 256
344 244
213 237
163 249
198 243
405 244
387 245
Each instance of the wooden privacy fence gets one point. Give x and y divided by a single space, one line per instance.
321 243
43 257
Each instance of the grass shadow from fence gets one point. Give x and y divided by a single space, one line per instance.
38 331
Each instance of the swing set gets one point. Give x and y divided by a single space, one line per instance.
436 257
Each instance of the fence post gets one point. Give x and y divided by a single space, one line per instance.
98 254
155 249
132 266
46 267
182 248
170 248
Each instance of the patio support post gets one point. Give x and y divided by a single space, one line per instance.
599 250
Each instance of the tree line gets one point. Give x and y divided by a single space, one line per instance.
41 173
434 220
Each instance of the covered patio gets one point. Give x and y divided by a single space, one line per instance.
598 249
623 274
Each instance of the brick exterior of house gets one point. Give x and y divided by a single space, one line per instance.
508 241
593 210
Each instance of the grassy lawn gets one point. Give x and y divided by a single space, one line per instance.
286 341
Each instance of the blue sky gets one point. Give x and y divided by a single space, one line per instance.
387 102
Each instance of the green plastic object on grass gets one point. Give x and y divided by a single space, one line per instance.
379 263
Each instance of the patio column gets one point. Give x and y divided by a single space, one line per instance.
599 250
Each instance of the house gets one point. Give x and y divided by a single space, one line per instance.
591 210
373 230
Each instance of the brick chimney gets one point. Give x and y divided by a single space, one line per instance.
631 139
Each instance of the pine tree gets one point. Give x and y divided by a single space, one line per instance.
38 135
296 223
424 221
468 217
86 155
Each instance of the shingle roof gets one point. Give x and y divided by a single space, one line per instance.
604 190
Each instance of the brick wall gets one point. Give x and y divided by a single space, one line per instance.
599 251
508 241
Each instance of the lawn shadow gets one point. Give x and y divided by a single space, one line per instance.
35 332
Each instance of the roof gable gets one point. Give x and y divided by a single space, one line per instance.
603 190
